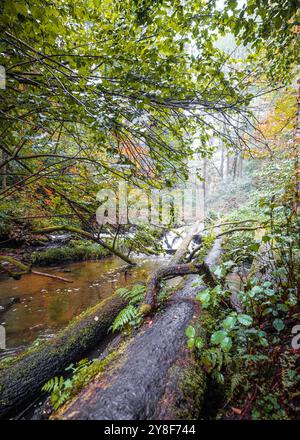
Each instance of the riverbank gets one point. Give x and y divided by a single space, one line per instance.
56 252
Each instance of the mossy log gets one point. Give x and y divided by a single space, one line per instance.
140 386
22 378
132 388
174 271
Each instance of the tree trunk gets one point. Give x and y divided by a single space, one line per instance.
22 378
137 386
222 162
4 171
204 186
241 164
234 167
227 165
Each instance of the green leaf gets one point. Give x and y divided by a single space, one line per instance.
254 291
203 297
254 247
219 377
226 344
229 322
191 343
199 343
190 332
69 367
218 336
245 319
68 384
265 238
263 342
122 291
278 324
218 271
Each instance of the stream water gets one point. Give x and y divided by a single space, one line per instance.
46 305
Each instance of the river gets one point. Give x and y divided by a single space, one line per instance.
46 305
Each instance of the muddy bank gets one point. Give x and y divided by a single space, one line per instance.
56 252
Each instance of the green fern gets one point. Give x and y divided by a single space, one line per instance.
124 293
53 384
59 389
236 380
130 314
79 376
126 315
133 296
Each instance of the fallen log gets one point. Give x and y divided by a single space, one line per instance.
174 271
22 378
50 275
220 234
24 270
137 384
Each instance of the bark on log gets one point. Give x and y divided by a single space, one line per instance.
136 386
183 248
22 378
174 271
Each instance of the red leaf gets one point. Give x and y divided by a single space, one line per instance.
236 410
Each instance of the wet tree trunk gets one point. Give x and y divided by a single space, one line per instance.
22 378
140 386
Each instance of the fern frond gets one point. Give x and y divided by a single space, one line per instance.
53 384
236 380
133 296
123 318
123 293
137 293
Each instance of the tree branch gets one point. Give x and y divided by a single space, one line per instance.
24 270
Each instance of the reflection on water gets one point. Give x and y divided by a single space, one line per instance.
47 305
